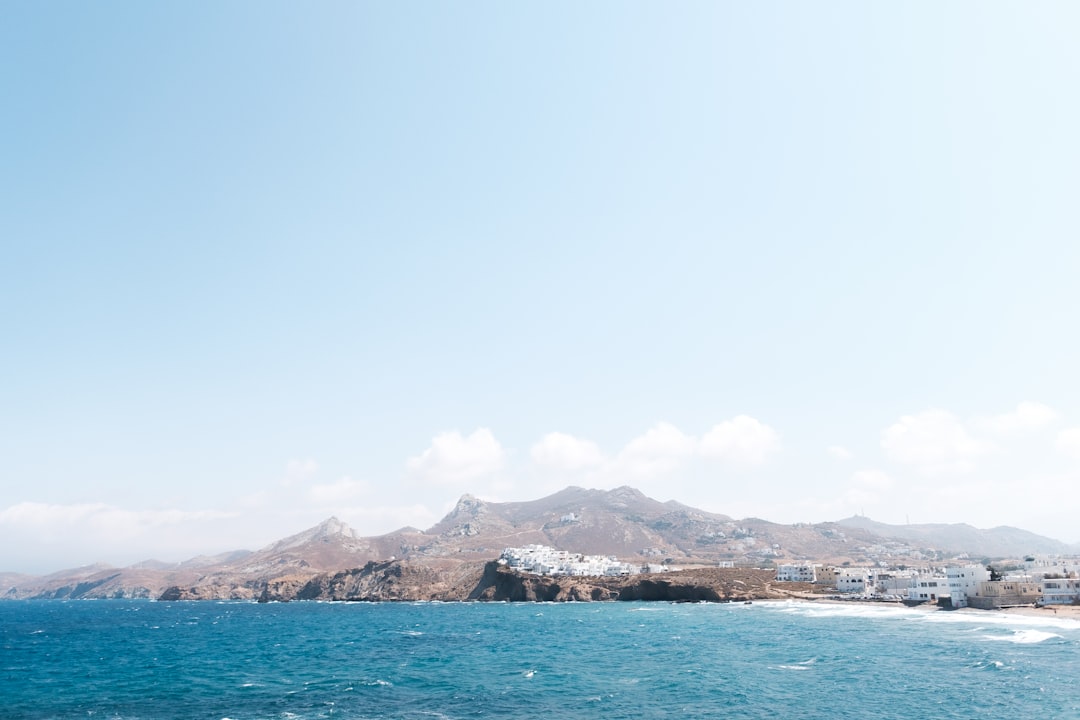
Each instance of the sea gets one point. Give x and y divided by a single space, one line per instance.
143 660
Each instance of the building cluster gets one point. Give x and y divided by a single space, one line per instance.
544 560
1040 580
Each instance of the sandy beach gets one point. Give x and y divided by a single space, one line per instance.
1062 611
1071 612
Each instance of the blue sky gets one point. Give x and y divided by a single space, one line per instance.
267 262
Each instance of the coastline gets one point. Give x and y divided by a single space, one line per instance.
1069 612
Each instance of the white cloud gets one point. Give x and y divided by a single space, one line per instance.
82 533
565 452
453 458
342 491
742 439
660 450
872 479
867 487
1027 416
933 441
840 452
1068 442
100 515
299 471
34 513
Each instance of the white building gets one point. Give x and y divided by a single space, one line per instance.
893 582
544 560
806 572
964 581
853 580
1039 565
1060 590
928 588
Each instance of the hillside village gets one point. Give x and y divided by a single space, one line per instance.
1040 580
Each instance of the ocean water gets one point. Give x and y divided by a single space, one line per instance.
158 660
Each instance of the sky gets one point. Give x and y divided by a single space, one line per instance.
262 263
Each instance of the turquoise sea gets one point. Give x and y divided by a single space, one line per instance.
157 660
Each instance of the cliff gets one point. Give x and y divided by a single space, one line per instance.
702 585
403 581
392 580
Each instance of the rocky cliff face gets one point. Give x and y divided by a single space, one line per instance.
398 580
705 585
393 580
500 583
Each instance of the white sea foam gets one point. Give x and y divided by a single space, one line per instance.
979 619
378 683
1023 637
990 619
824 610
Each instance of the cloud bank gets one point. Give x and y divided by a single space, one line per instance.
928 464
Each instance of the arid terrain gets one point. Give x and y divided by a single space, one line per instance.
449 560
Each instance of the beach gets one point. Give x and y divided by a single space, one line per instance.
1071 612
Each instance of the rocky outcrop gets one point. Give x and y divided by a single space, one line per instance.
704 585
501 583
403 581
392 580
209 592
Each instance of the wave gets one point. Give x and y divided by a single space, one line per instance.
980 619
1024 637
377 683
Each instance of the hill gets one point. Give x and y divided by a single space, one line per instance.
996 542
622 522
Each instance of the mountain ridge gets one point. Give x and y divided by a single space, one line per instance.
993 541
623 522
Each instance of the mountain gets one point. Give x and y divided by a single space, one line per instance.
622 522
996 542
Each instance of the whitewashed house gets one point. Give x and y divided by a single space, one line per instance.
1060 591
544 560
806 572
964 581
854 580
928 588
893 582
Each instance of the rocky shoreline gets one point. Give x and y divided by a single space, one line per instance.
402 581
